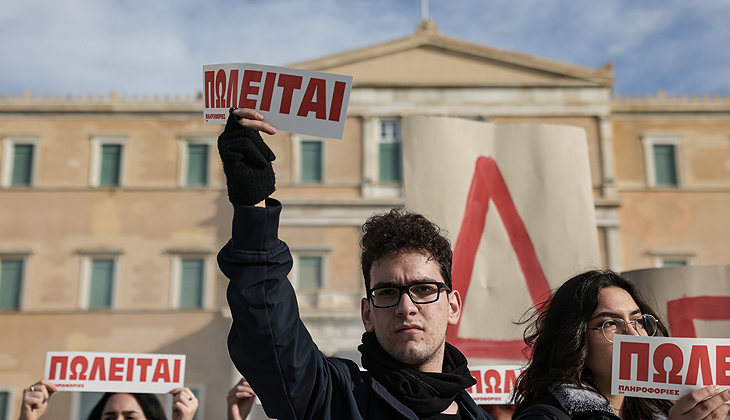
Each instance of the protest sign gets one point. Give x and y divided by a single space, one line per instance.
693 300
300 101
668 368
115 372
518 200
494 383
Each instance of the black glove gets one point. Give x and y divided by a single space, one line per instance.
246 163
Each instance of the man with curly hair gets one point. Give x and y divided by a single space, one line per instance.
406 262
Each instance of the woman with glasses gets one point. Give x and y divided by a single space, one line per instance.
571 337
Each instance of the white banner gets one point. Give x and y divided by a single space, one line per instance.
495 383
115 372
301 101
668 368
517 200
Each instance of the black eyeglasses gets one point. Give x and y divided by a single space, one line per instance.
389 296
646 325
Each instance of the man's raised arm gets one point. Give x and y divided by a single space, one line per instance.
268 343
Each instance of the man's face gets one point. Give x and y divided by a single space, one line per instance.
412 333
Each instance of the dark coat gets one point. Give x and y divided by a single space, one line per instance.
273 350
569 402
549 408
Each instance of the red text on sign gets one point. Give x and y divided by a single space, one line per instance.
115 369
491 381
256 91
669 353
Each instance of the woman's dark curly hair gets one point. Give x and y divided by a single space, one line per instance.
389 234
150 406
556 339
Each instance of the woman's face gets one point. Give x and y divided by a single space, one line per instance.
122 407
613 302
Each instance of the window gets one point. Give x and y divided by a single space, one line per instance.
11 283
310 273
99 279
311 161
189 280
102 281
4 405
672 258
111 156
22 165
19 158
661 152
197 165
665 167
669 262
107 165
389 151
309 269
195 157
192 276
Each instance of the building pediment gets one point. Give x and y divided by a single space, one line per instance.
428 58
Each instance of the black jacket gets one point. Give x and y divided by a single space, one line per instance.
568 402
549 408
273 350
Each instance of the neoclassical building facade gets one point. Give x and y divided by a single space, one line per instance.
112 209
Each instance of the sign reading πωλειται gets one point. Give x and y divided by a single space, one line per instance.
115 372
301 101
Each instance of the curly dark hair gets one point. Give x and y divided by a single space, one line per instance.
389 234
150 406
556 341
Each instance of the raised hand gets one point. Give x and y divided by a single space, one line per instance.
246 158
706 403
35 400
240 400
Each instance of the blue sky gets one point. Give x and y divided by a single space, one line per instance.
148 47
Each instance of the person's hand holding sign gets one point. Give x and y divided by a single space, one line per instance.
706 403
246 158
184 404
35 400
240 400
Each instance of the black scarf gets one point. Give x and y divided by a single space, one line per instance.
425 393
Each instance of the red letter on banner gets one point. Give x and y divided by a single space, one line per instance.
143 365
699 359
721 355
55 361
176 371
289 83
130 369
246 88
486 184
162 371
116 366
268 92
673 352
209 87
337 97
510 379
318 87
642 367
76 362
232 94
220 89
98 367
488 376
